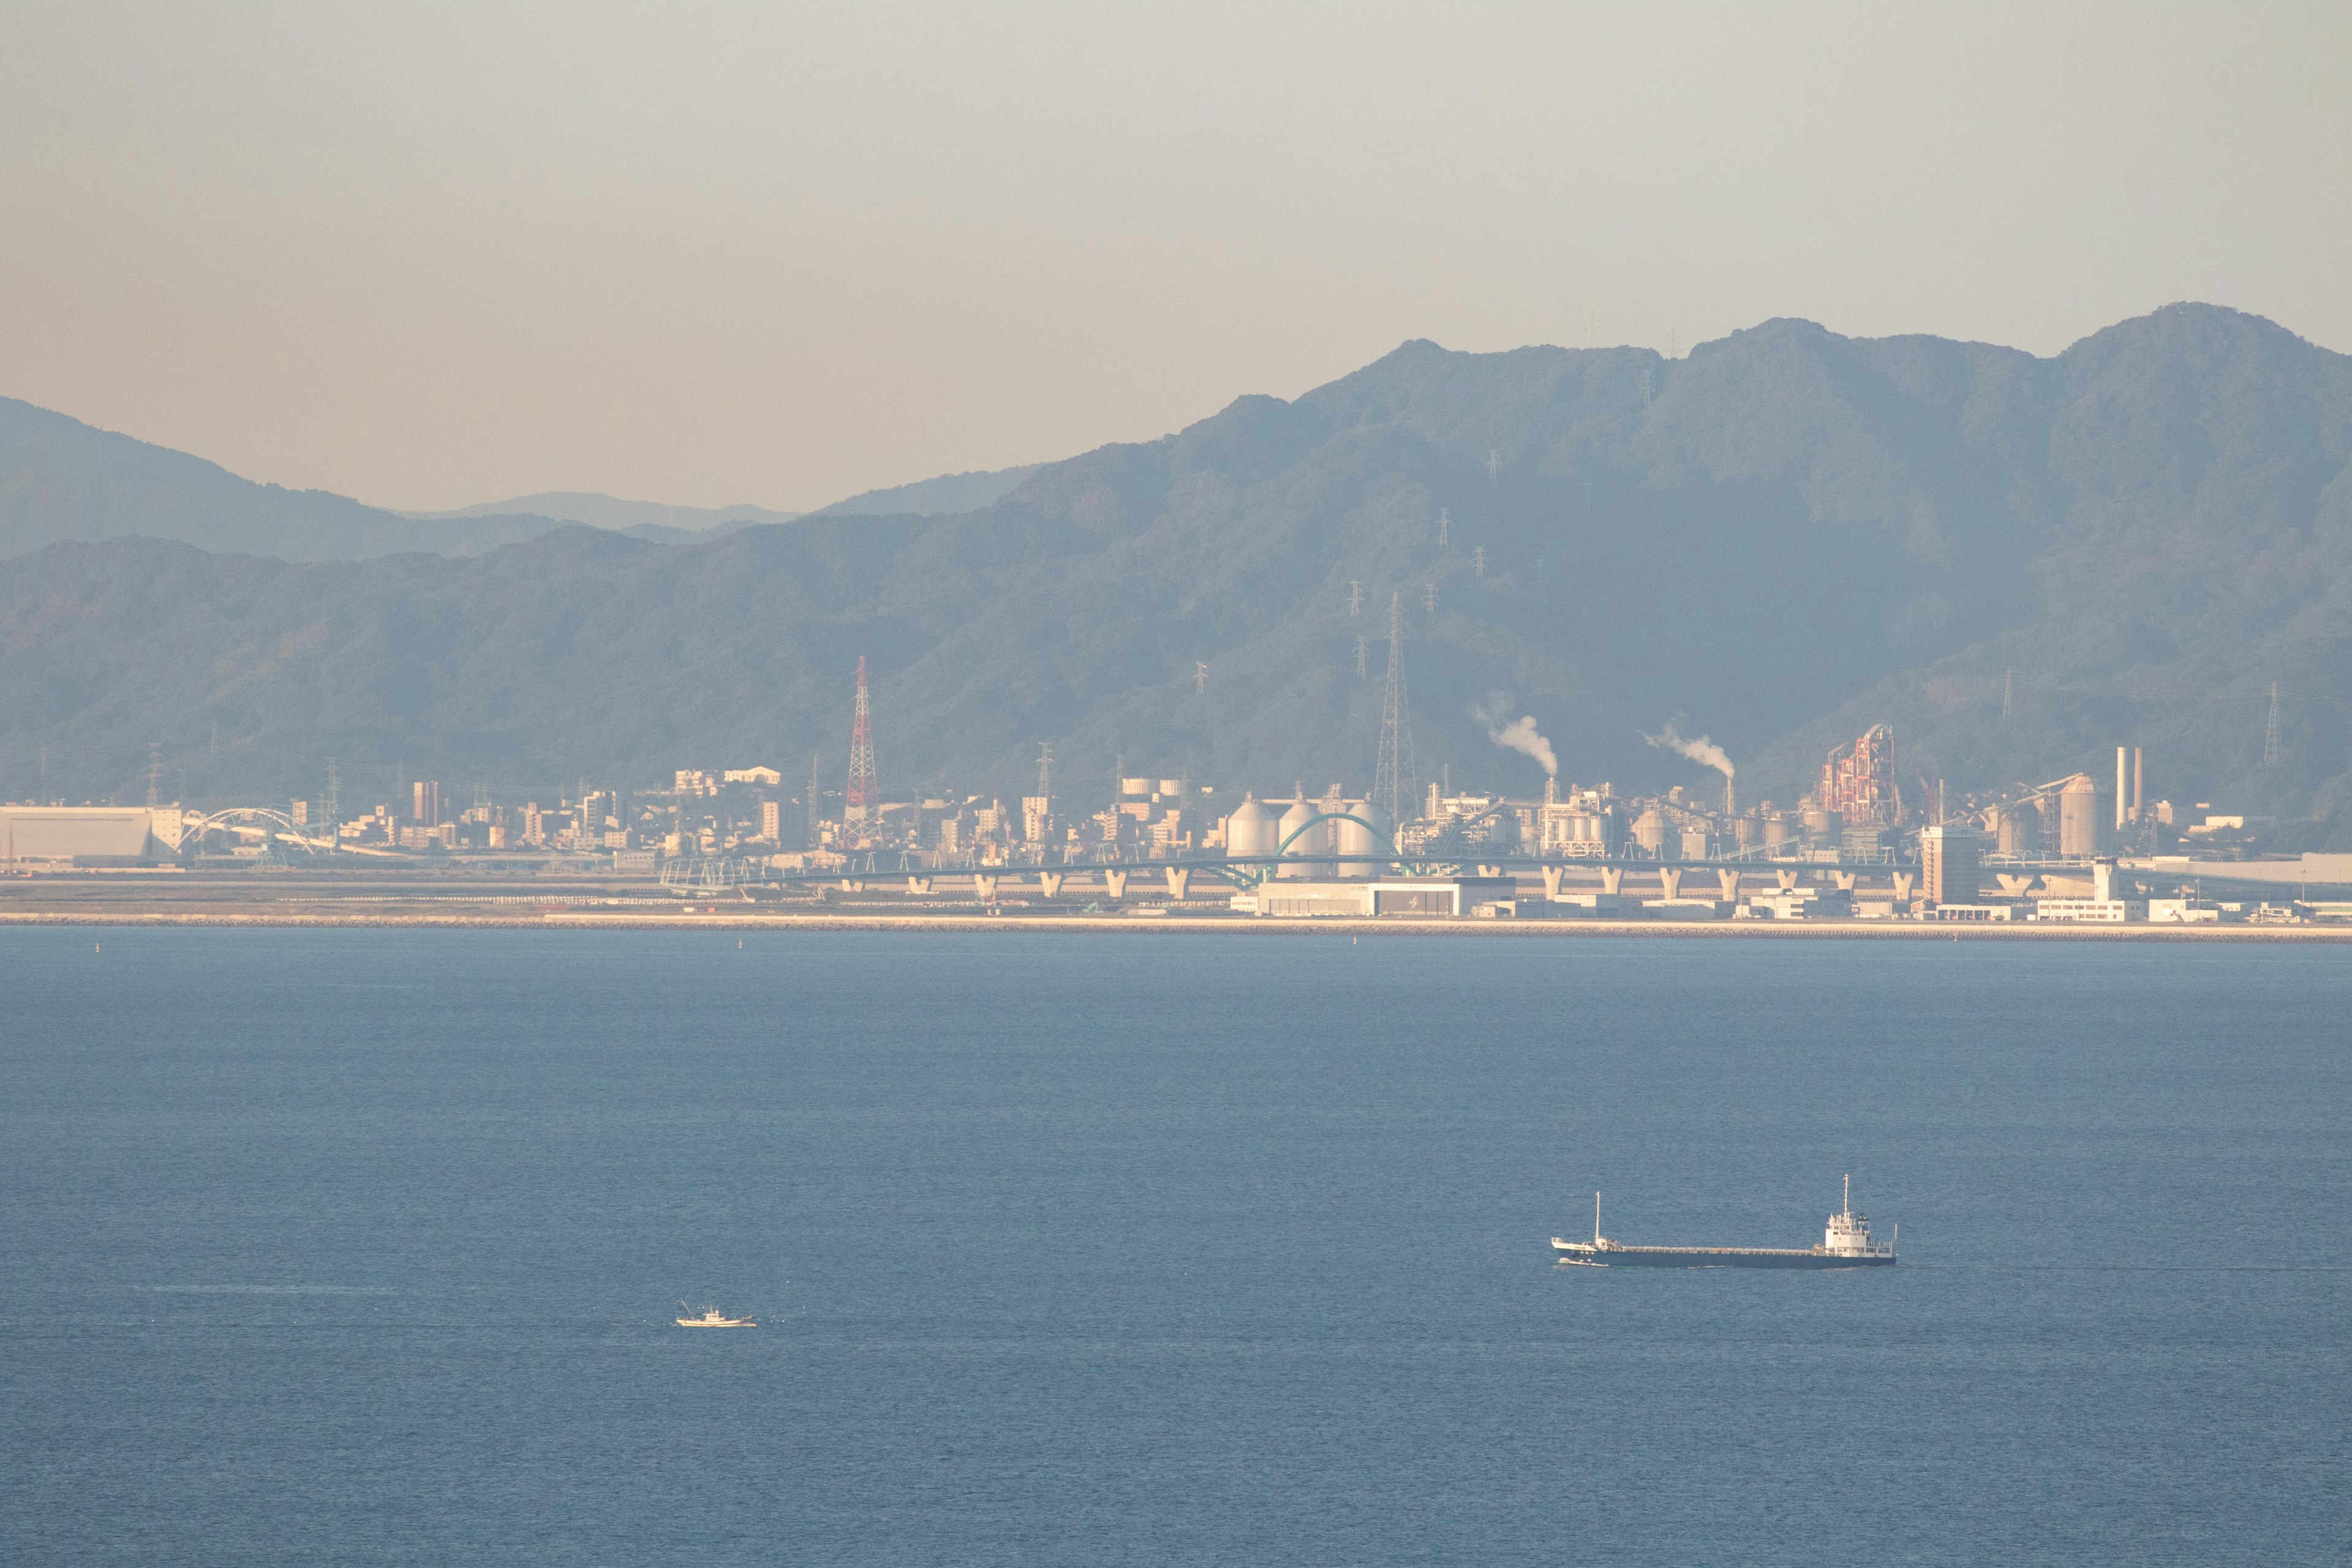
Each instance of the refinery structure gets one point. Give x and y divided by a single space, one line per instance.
1857 846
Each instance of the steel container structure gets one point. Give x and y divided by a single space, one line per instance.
1251 831
2019 832
1650 832
1776 829
1368 835
2085 816
1315 841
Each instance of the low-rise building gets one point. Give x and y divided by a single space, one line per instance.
2091 911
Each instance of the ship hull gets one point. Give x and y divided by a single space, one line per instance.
1717 1257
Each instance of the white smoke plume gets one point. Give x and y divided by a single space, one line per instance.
1518 734
1702 751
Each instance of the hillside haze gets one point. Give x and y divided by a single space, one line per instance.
1777 541
61 480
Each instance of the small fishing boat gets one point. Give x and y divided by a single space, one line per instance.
712 1318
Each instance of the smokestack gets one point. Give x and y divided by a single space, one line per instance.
2123 793
1729 810
2139 806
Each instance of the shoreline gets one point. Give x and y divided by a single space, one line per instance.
1163 925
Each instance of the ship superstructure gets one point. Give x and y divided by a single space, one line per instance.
1846 1243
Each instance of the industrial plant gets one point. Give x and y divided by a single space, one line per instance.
2084 848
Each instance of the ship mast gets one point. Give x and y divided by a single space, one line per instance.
1596 1217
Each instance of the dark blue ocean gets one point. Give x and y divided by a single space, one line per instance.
363 1247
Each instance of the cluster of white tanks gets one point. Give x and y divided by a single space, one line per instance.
1255 832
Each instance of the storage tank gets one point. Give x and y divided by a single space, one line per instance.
1250 830
1776 829
1368 835
1313 841
2085 819
2016 829
1650 833
1745 832
1824 826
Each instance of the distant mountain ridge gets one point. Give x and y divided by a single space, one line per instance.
61 480
935 497
1779 540
641 518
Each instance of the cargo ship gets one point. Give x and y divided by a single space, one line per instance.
1846 1244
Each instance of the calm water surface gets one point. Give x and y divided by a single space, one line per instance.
363 1248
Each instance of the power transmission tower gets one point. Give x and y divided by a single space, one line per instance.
1046 770
1393 772
1360 656
1355 598
1493 464
812 801
335 805
1444 522
2007 678
1429 598
1200 677
865 790
1645 386
155 768
2271 734
1478 560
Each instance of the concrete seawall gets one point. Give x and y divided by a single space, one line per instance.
1181 925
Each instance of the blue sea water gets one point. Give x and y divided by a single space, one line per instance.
363 1247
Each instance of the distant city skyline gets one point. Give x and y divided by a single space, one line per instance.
434 259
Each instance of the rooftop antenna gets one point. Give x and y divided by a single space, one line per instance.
2270 735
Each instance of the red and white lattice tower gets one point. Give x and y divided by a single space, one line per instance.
864 801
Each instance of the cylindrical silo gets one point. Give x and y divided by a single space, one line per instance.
1368 833
2083 814
1250 831
1313 841
1650 833
1776 829
1824 826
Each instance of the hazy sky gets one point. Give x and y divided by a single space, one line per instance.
434 255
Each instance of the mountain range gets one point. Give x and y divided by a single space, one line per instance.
2018 562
